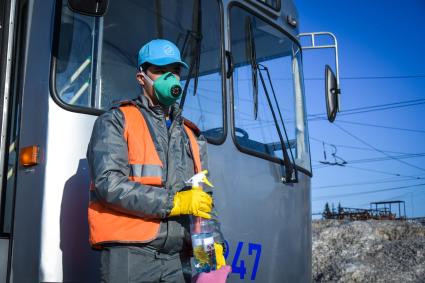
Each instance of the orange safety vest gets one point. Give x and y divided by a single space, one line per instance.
110 226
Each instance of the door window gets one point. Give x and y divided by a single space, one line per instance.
96 58
268 100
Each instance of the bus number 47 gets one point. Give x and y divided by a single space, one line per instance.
238 264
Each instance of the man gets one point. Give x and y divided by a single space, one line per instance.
140 154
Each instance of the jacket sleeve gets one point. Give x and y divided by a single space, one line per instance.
218 235
107 156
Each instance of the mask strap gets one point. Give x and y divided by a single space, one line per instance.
146 77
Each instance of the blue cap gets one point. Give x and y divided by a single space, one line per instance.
160 52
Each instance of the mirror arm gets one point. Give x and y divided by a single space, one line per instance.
334 46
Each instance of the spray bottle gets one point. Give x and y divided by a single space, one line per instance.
201 231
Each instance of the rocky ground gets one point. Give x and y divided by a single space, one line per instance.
368 251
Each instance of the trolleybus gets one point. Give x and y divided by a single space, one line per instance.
64 62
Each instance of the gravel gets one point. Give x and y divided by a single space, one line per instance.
368 251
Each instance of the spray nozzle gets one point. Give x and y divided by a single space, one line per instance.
201 177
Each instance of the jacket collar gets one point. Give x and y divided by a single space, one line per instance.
143 102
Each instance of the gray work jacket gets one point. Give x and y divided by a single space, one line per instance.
107 156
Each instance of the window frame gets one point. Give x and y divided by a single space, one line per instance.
231 94
277 8
97 112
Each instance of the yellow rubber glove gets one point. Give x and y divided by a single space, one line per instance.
219 256
194 201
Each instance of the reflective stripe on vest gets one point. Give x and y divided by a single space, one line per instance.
109 226
145 170
145 173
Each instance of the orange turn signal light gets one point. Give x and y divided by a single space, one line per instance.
29 156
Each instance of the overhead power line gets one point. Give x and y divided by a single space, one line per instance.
371 182
381 126
390 157
348 78
353 147
414 191
369 170
419 100
366 109
366 192
376 159
372 77
380 171
376 149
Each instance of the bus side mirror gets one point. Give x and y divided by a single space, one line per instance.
96 8
331 93
332 90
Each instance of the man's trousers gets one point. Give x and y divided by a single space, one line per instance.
137 264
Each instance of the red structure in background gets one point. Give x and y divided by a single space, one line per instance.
383 210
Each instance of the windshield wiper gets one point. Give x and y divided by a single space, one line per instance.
255 68
261 67
196 59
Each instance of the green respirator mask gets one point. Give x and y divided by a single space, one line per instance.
167 88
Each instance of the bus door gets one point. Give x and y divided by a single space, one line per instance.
268 125
11 33
4 237
95 66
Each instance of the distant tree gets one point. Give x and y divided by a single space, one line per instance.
333 208
326 212
340 211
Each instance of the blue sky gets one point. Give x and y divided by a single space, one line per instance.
382 62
